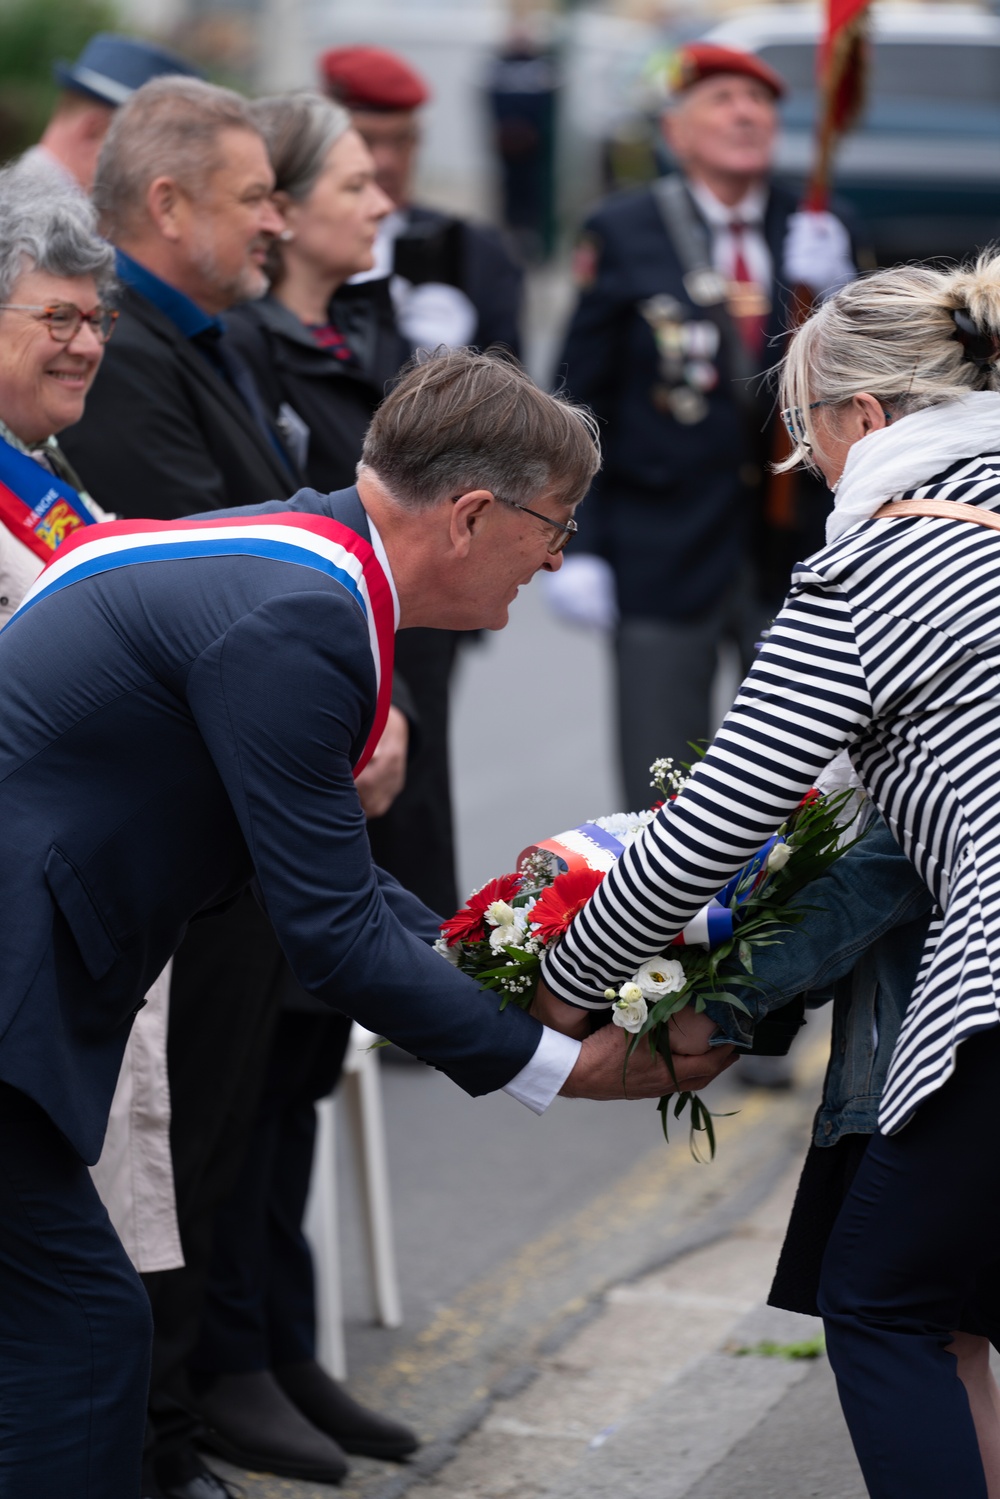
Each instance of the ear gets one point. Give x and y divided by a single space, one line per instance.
165 204
96 122
470 516
869 413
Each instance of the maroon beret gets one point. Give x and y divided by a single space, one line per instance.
371 78
696 61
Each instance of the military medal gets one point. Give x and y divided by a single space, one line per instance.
705 287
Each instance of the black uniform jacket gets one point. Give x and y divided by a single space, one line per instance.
475 258
675 504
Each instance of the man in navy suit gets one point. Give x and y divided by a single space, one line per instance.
186 706
685 294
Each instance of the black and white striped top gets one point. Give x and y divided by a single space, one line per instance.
889 643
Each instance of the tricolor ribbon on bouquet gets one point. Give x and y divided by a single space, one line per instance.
592 847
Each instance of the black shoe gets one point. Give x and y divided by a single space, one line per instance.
330 1408
198 1483
250 1421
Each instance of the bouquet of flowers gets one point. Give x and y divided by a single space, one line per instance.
500 934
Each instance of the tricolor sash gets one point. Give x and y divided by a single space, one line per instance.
35 506
592 847
313 541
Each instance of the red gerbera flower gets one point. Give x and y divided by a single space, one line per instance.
556 906
469 924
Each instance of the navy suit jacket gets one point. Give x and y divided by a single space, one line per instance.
170 732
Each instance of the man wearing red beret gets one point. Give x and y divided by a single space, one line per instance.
685 290
459 282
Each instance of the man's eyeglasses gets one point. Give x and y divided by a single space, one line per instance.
563 530
64 319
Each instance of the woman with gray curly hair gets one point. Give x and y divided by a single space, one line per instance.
889 646
56 277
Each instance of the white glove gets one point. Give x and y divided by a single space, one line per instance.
817 252
432 313
583 592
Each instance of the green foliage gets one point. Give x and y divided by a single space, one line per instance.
33 35
810 1348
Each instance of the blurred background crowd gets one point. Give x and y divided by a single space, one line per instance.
611 191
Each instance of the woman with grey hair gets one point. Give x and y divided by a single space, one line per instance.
56 276
56 282
888 645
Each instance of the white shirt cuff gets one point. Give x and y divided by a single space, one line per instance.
539 1080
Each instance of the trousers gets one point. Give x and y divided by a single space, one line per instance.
75 1325
665 669
260 1309
914 1246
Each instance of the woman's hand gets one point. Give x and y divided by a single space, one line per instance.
558 1015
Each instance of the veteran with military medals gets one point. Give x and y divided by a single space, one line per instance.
685 294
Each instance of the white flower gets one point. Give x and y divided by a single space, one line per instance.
660 976
500 914
629 1010
778 857
502 937
450 954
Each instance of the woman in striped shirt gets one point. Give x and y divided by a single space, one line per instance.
888 644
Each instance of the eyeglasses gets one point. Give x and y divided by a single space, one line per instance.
795 424
64 319
563 530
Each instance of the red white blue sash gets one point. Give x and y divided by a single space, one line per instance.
313 541
35 506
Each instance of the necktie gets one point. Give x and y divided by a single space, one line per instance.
749 304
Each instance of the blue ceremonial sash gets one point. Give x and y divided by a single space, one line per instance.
313 541
35 506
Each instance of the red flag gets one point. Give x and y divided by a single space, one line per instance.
842 71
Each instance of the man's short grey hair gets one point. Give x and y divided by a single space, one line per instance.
892 334
460 420
169 128
46 228
298 130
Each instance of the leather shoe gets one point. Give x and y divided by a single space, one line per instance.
329 1407
199 1483
250 1421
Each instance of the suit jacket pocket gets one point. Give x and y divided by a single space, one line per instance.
97 946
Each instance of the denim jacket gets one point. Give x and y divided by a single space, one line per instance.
859 944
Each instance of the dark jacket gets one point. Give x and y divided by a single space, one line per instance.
473 257
859 943
164 433
198 731
675 507
333 398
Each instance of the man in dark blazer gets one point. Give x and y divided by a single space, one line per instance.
185 710
685 295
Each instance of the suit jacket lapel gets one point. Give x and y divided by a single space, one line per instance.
215 386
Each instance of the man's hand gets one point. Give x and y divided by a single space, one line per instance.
384 776
558 1015
598 1072
690 1033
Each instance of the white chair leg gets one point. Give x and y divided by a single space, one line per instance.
362 1096
321 1231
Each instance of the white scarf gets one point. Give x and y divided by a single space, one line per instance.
910 452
